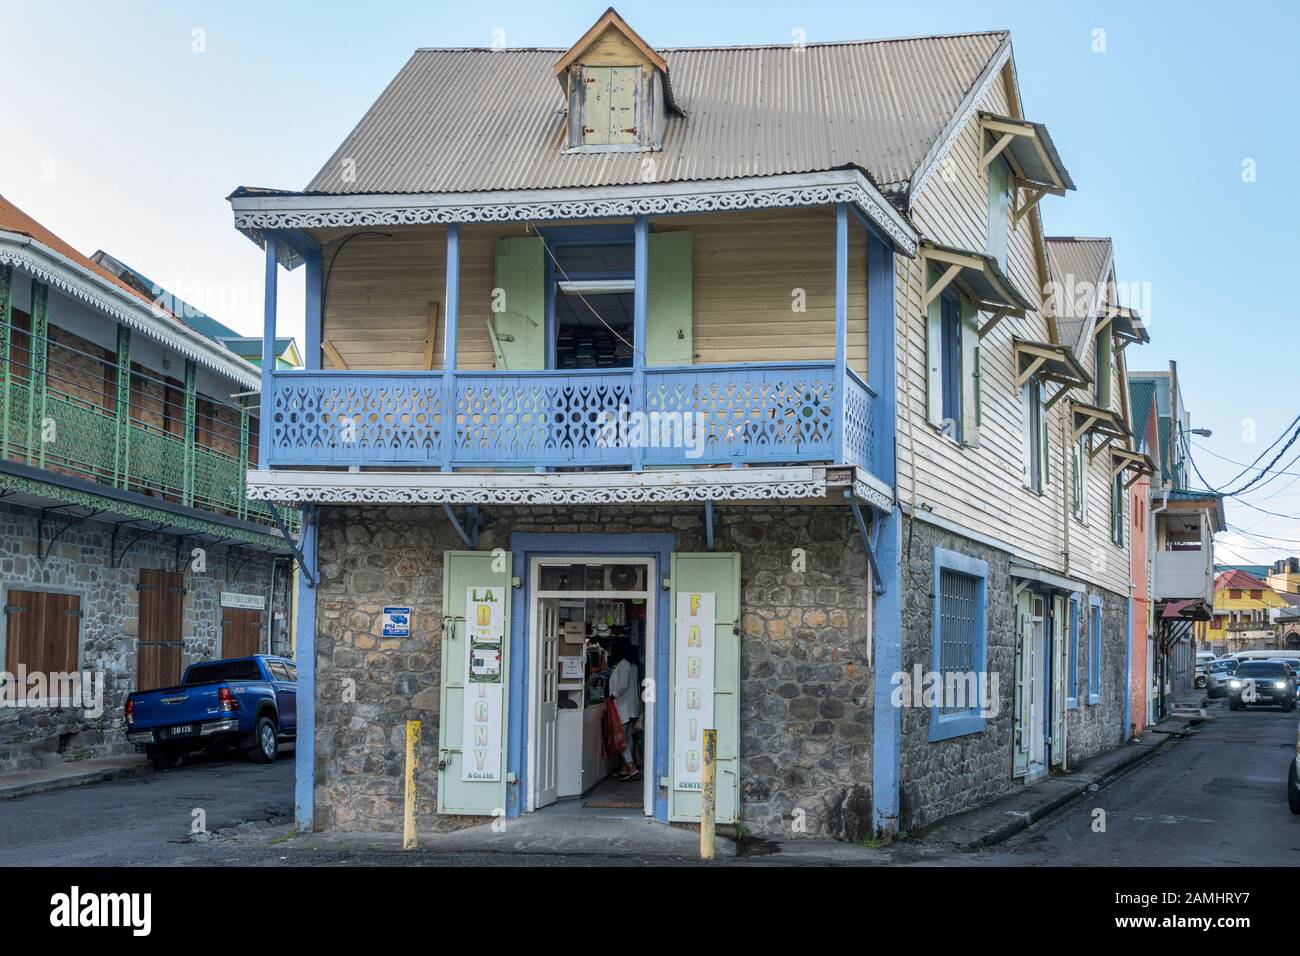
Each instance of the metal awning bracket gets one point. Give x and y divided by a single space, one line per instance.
877 584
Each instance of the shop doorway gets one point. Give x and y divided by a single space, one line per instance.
579 608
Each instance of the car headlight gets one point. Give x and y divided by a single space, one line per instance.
1234 683
1279 684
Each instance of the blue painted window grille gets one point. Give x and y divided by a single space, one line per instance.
960 643
1094 651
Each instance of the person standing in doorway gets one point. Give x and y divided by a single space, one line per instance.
624 688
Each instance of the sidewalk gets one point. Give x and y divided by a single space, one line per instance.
74 773
998 821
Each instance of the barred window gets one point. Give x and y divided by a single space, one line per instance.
958 627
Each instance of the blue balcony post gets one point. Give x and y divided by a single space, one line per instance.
641 287
271 300
882 376
313 318
451 307
840 444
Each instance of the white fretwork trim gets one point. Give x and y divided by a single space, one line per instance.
254 214
374 487
54 270
940 149
870 489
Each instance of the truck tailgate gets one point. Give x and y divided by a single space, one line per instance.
171 706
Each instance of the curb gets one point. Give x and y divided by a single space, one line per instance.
81 779
1022 821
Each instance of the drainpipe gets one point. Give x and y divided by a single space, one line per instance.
270 607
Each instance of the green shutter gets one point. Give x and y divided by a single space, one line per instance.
595 105
934 362
461 571
717 574
1044 425
970 379
609 105
519 332
669 313
999 210
623 82
1105 367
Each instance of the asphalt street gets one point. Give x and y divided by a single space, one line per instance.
1215 798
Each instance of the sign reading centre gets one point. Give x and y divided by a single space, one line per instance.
693 650
485 610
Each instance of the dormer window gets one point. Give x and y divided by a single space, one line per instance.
617 90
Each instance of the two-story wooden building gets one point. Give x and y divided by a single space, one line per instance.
743 355
128 548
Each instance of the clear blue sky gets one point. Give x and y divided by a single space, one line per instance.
119 135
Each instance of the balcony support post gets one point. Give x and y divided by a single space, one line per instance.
191 426
840 444
122 410
640 300
269 306
6 369
312 320
242 510
37 392
451 322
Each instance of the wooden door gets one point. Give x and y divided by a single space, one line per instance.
161 611
42 631
241 632
548 679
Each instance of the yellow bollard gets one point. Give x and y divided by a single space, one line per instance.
410 839
709 794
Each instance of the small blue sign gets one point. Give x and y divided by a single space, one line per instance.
397 622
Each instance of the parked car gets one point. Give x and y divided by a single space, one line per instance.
1217 675
1293 778
1266 683
1295 668
1203 659
245 702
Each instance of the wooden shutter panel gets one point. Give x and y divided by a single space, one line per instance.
23 611
669 302
519 332
999 210
719 574
934 363
970 379
595 105
623 83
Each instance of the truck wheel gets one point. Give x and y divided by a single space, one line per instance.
265 748
166 760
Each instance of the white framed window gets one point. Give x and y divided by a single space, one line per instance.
1079 478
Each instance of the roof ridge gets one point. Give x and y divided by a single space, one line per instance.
726 46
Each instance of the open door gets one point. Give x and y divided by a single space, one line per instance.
1023 719
475 668
547 684
705 669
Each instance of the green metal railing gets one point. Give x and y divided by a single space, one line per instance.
56 415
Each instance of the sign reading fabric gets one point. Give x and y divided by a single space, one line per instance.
693 652
247 602
485 611
397 622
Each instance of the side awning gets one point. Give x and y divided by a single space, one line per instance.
978 276
1125 324
1051 363
1101 425
1028 149
1133 462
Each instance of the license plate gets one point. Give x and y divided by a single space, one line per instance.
181 730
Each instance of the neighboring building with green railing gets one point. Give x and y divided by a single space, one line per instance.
128 545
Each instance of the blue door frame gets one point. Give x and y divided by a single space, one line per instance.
525 546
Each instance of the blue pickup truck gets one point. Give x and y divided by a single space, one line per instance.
245 702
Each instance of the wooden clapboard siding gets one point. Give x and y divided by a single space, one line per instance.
42 631
746 268
241 631
982 489
161 613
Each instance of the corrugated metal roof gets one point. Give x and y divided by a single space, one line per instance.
250 347
1074 262
473 119
1141 396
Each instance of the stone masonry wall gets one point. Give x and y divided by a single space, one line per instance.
806 691
1092 729
79 563
946 776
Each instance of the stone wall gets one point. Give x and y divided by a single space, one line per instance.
79 563
947 776
806 690
1092 729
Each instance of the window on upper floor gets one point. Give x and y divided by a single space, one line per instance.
1256 594
608 102
1079 478
1034 436
1117 497
953 379
1103 367
999 209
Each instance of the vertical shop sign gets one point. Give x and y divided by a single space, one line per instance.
693 685
484 623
